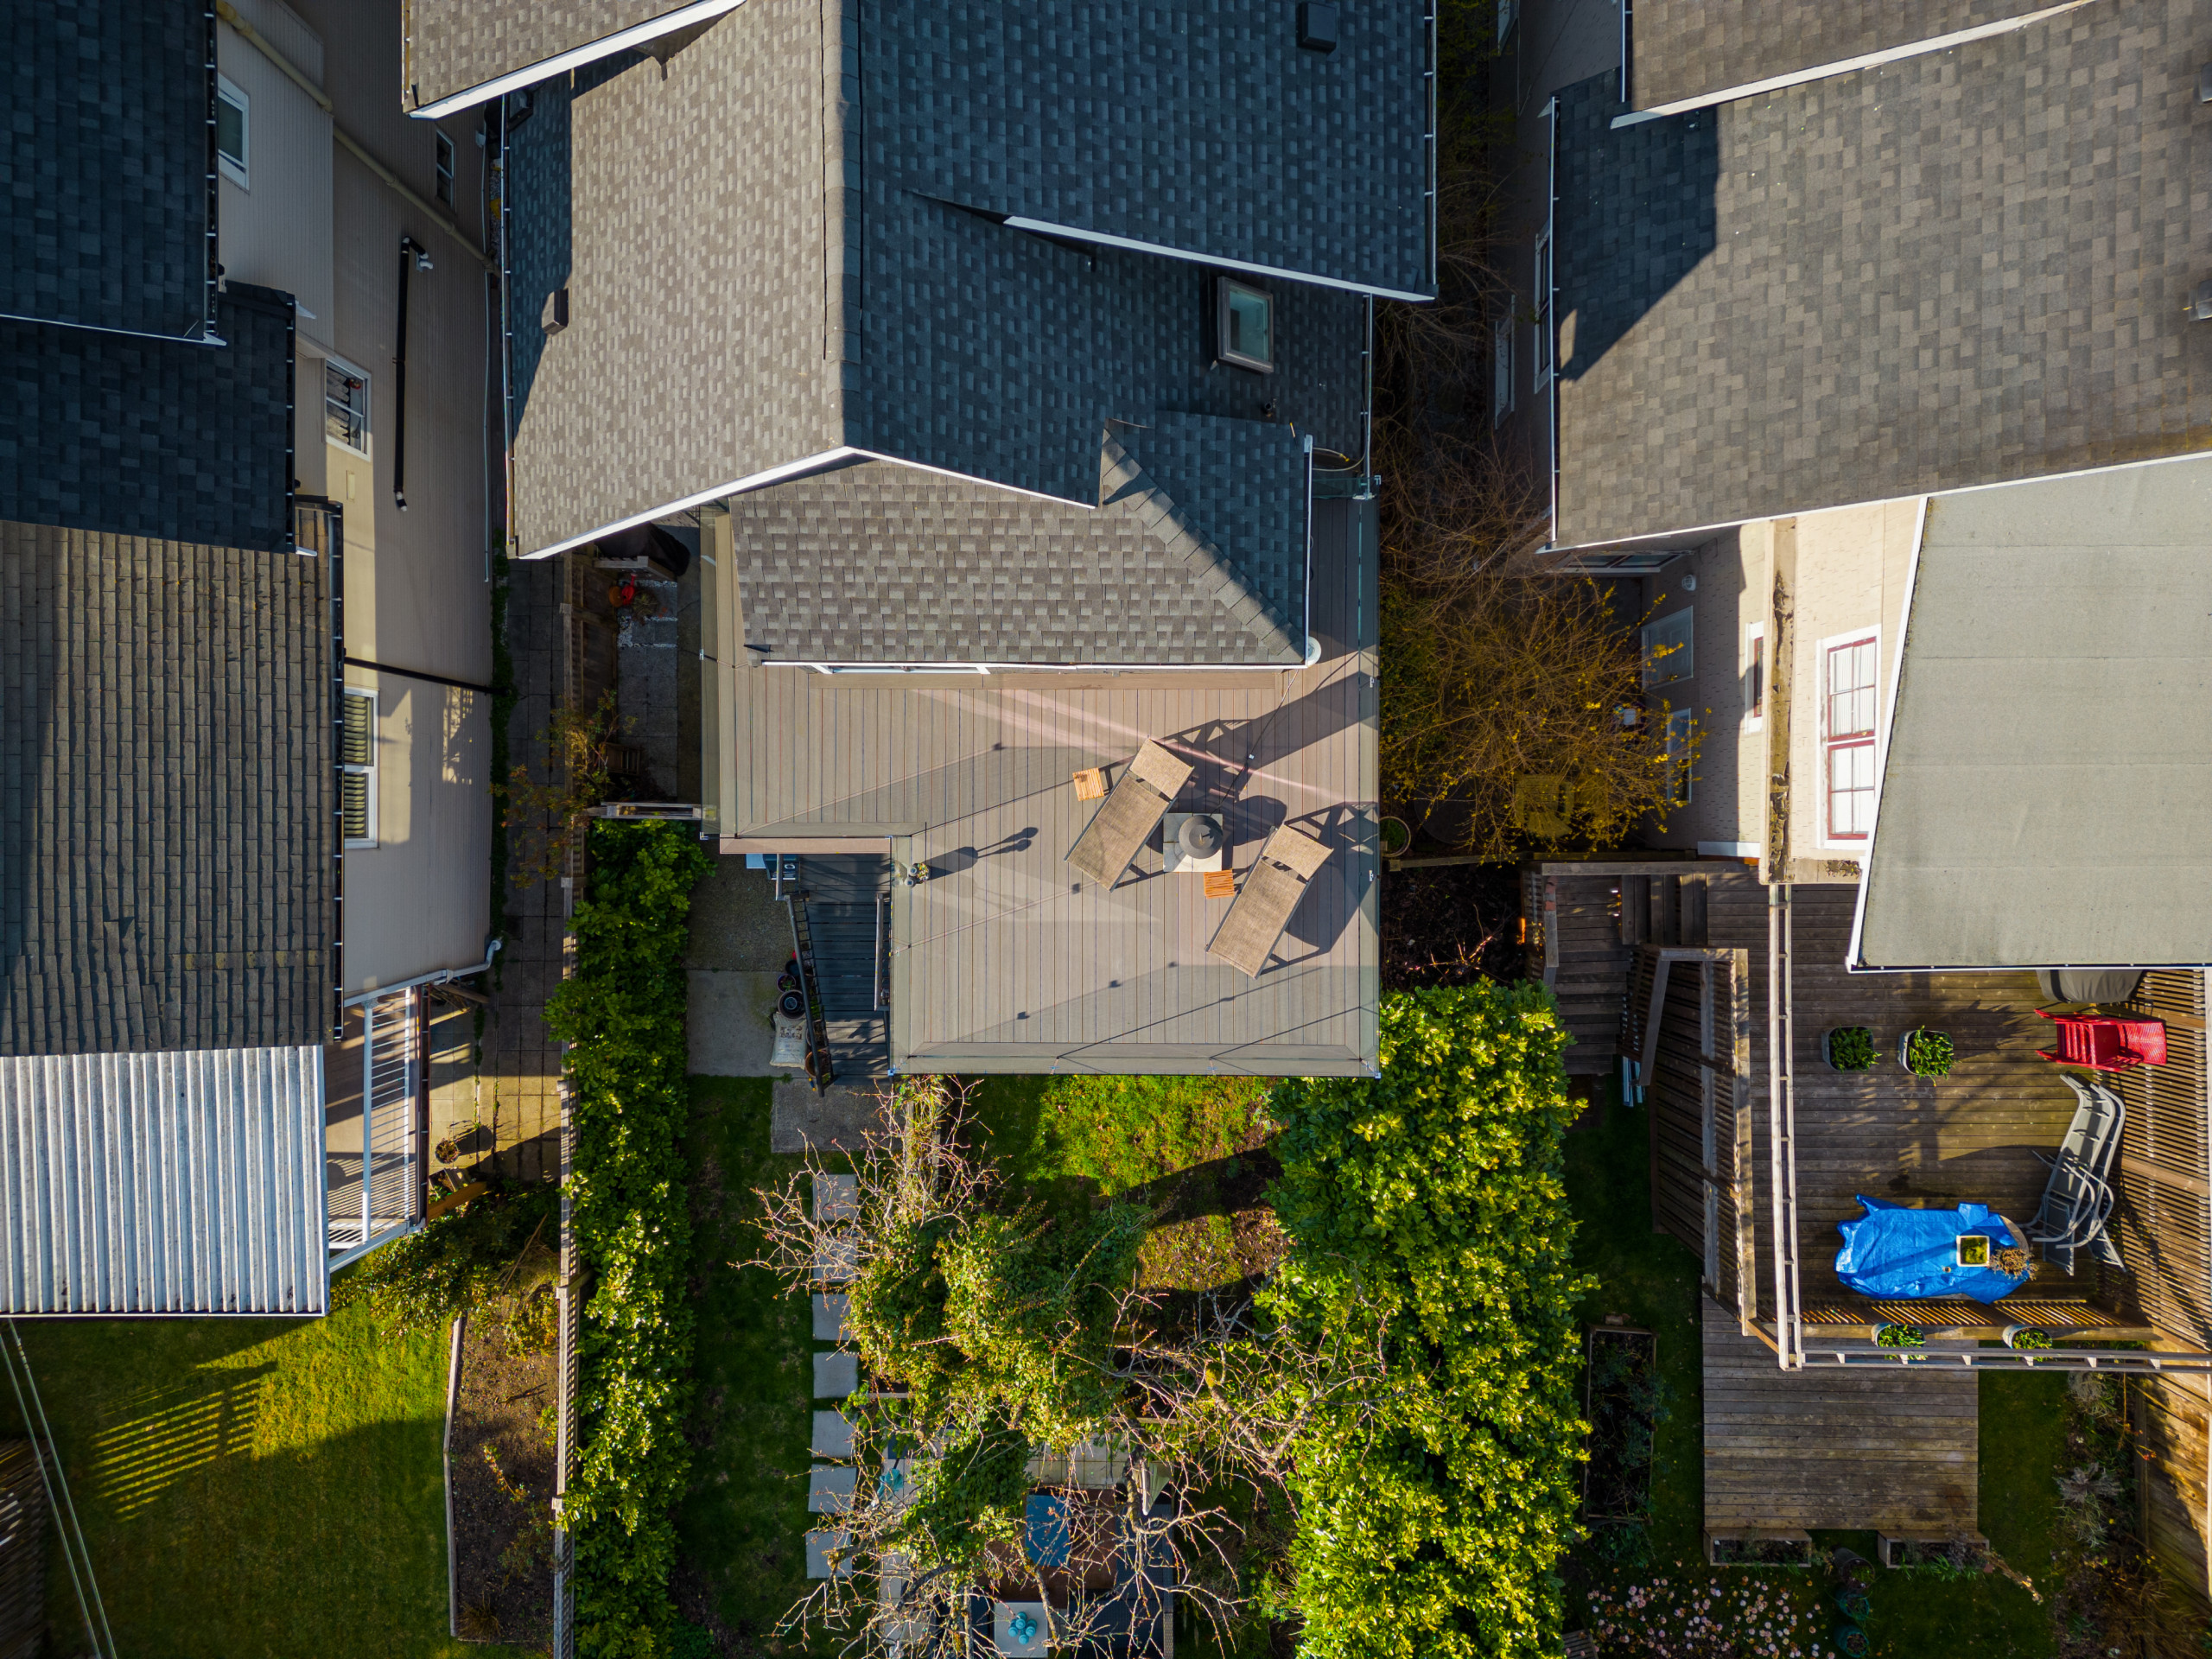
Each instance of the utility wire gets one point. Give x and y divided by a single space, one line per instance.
58 1501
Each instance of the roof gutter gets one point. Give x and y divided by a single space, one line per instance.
1045 227
560 62
435 976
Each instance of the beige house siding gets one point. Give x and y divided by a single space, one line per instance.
1723 815
275 231
317 222
1852 567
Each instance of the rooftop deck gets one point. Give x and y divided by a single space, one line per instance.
1005 959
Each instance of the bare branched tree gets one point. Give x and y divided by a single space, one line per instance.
1006 1354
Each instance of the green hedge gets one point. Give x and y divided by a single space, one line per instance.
1432 1199
623 1014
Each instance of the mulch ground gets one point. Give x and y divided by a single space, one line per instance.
501 1537
1451 924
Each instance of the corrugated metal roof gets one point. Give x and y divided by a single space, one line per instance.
189 1182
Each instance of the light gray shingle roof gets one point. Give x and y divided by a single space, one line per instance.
877 563
1683 49
449 47
1964 268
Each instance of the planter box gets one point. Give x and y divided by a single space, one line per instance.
1617 1480
1921 1549
1759 1549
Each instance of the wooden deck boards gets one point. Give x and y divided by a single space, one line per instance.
1008 959
1896 1451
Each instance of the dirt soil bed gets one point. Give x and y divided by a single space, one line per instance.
502 1504
1450 924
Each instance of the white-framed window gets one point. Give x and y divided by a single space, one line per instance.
1244 325
444 159
357 762
1501 370
233 130
1849 668
346 404
1542 376
1670 648
1754 672
1679 733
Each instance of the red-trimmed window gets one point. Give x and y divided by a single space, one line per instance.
1848 736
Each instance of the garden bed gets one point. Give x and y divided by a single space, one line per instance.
1760 1549
503 1565
1450 924
1624 1401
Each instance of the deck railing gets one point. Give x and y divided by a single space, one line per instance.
375 1193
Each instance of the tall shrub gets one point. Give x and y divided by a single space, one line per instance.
1428 1206
623 1015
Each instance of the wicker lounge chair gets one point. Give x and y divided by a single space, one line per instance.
2078 1197
1264 906
1139 798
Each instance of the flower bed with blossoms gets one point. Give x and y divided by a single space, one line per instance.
1688 1617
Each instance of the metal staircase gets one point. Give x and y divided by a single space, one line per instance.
841 934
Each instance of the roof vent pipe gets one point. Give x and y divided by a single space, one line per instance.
1317 25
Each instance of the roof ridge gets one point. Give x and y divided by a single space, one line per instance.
1123 481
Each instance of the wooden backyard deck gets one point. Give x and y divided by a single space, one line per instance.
1007 958
1897 1452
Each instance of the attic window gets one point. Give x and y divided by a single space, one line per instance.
346 405
231 109
1244 325
444 157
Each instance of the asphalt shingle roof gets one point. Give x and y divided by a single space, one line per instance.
1962 268
1682 49
105 159
731 314
107 432
165 794
451 46
877 563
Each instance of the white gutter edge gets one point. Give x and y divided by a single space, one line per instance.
1045 227
591 52
435 976
1848 66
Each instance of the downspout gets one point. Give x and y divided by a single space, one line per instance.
411 252
1777 1066
1549 299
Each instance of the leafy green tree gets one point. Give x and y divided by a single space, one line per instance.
1426 1206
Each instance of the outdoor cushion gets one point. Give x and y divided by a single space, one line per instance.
1139 799
1269 897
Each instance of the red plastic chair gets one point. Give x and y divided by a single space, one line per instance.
2105 1043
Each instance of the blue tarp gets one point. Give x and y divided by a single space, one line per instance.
1900 1254
1047 1542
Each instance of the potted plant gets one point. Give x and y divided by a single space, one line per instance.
1925 1054
1849 1048
2026 1338
1852 1640
1397 838
1899 1336
1973 1250
1854 1604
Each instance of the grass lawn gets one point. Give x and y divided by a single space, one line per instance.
743 1527
251 1487
1653 1279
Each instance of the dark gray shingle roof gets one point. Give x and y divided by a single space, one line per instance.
163 439
449 47
165 794
1959 269
730 315
1683 49
1201 126
876 563
105 158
